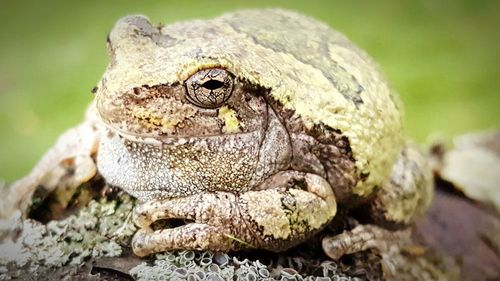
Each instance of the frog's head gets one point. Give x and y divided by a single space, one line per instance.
175 88
156 87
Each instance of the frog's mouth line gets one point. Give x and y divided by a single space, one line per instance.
182 139
178 139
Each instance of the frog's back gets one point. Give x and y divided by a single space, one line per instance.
335 83
305 39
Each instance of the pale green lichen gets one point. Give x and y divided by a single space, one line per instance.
188 265
101 229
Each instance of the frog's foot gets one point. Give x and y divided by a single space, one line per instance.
202 221
274 218
364 237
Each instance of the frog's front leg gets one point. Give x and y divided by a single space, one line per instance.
68 162
399 202
275 218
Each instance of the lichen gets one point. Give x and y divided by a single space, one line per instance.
102 229
189 265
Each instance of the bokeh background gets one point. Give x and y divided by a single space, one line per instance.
442 56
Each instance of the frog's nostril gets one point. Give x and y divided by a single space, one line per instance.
170 223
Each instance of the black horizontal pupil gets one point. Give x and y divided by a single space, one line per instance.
212 84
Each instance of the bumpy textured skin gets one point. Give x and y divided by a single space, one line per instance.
308 126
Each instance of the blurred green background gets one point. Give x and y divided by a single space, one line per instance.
443 57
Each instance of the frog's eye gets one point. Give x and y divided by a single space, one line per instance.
209 88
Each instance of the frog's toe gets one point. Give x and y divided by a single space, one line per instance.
192 236
363 237
209 208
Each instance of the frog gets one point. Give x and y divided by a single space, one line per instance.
255 129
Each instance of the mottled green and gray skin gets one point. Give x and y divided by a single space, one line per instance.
305 125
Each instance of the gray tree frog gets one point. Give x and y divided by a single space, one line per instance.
255 129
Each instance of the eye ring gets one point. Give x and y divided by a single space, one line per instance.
209 88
